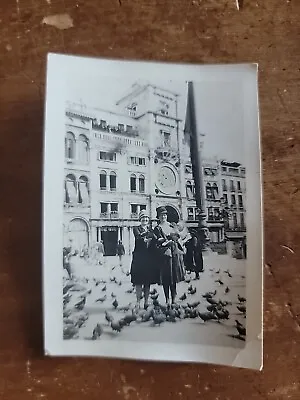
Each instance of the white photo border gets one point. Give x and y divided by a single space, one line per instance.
58 68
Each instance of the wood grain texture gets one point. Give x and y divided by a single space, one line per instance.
195 31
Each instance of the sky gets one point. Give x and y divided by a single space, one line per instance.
219 108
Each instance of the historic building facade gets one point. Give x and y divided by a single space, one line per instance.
135 158
119 163
233 192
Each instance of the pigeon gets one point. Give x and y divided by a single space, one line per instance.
67 287
163 308
109 318
156 303
153 291
113 295
113 279
115 303
104 288
238 337
147 316
67 298
125 308
77 288
97 332
242 309
120 283
219 281
129 318
212 301
88 292
211 307
241 329
80 305
127 273
227 290
183 297
81 319
97 282
101 299
193 314
67 313
209 294
207 316
217 272
70 331
194 305
113 268
193 291
68 321
130 290
154 296
116 326
158 319
223 314
241 299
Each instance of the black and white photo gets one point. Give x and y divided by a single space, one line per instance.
152 200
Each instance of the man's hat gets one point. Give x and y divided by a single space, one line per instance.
161 210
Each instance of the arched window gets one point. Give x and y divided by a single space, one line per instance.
133 183
113 181
209 194
189 190
70 144
215 191
103 184
71 189
83 149
83 186
141 184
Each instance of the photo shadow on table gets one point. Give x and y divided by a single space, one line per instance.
22 131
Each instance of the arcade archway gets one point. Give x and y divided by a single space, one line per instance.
79 233
173 215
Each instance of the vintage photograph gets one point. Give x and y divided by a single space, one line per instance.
154 212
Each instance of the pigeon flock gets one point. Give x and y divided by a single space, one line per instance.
111 303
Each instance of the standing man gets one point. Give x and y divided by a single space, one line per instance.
120 251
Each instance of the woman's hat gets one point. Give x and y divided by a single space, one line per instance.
161 210
143 214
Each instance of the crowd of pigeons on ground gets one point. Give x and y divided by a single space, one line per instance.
75 316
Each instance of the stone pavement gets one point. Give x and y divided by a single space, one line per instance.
192 331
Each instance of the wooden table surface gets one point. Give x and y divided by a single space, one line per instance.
196 31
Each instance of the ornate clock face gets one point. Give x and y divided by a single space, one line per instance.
166 180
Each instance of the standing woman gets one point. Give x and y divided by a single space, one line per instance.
143 271
168 255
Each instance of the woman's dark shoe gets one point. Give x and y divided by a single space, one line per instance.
146 305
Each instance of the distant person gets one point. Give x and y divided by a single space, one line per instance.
100 252
85 252
193 258
68 252
120 251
